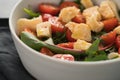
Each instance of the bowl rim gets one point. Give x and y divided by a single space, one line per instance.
14 34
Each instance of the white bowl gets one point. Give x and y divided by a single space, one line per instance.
43 67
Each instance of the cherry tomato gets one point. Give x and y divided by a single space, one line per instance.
79 18
67 57
109 38
68 4
117 41
45 17
110 24
56 25
46 51
49 9
68 36
66 45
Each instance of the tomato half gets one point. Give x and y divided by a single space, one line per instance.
49 9
109 38
56 25
117 41
79 18
68 4
66 45
46 51
110 24
68 36
67 57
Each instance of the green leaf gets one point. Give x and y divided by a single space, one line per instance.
93 48
59 38
96 57
31 13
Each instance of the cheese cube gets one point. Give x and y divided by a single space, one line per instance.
68 13
43 29
105 10
92 11
81 45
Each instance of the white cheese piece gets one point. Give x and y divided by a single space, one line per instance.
105 10
23 23
66 14
43 29
87 3
113 55
94 25
117 30
81 45
91 11
79 31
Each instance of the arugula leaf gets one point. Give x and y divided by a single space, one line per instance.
31 13
80 5
59 38
93 48
94 54
96 57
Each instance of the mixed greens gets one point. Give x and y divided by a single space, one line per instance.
73 31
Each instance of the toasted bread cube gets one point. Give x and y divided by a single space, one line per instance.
79 31
94 25
68 13
23 23
92 11
87 3
117 30
106 10
81 45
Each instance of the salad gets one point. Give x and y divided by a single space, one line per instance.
73 30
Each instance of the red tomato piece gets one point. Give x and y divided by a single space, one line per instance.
66 45
109 38
79 18
45 17
117 41
68 4
68 36
46 51
67 57
110 24
49 9
56 25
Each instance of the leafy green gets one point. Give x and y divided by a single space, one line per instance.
96 57
31 13
59 38
96 35
93 52
80 5
93 48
